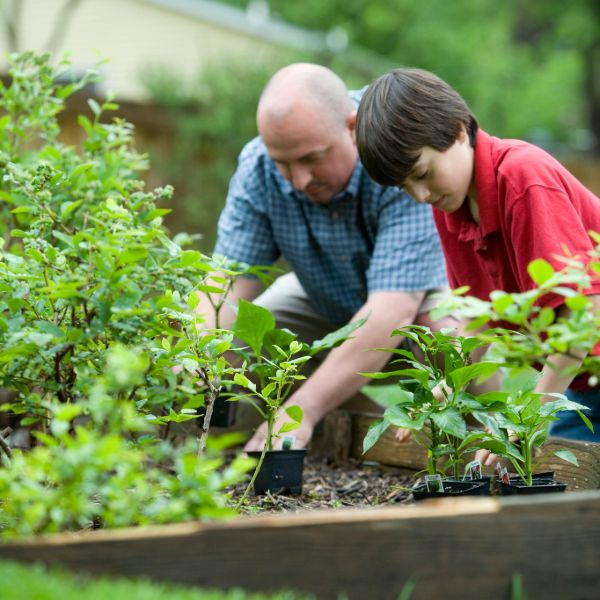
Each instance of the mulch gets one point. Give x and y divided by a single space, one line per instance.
326 485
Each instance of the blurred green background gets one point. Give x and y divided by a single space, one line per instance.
530 69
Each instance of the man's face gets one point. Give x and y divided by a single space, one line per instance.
316 158
443 179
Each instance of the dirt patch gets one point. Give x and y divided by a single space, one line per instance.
352 484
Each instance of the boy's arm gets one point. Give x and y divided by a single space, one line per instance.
337 378
553 378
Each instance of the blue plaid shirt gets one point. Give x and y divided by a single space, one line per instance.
368 238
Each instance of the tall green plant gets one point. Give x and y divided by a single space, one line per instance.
274 359
432 398
89 262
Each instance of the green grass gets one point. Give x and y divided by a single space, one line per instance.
35 582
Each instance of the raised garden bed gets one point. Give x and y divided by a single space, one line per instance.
467 548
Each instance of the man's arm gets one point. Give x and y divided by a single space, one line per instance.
337 379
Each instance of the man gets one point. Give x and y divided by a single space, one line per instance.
355 248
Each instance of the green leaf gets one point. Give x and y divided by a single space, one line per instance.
133 255
36 255
80 169
399 417
502 302
450 421
387 395
540 270
376 430
568 456
480 371
252 323
286 427
335 338
189 257
577 303
95 107
67 208
295 412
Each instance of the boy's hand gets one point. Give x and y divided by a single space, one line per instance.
402 435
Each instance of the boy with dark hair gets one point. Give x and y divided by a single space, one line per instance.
497 204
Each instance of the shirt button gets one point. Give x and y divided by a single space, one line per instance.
335 215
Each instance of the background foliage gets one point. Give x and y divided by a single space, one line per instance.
529 69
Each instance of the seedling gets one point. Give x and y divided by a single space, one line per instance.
273 359
432 399
521 425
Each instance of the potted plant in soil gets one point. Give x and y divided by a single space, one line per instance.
531 334
273 359
432 401
520 427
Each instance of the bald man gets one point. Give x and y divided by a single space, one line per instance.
355 248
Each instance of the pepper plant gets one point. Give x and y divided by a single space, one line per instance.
520 423
432 398
530 333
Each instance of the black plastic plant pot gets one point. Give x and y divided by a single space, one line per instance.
541 475
538 486
281 472
454 488
484 490
223 414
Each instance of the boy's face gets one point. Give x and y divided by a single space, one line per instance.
443 179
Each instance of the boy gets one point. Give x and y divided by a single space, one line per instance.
497 204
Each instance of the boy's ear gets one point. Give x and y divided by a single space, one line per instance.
463 136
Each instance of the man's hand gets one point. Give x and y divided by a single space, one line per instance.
302 434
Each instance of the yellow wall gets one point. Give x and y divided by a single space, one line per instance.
132 34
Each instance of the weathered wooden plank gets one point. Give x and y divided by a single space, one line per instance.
389 451
455 548
332 437
584 476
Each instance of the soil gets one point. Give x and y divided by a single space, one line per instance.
326 485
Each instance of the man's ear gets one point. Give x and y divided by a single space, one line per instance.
351 124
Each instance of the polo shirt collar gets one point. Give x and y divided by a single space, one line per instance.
487 192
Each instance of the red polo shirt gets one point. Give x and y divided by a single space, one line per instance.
530 207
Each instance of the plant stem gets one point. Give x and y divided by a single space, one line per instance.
266 447
527 451
5 447
213 391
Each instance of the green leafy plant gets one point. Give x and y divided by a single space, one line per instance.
273 359
532 332
431 397
100 464
87 262
520 424
96 308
